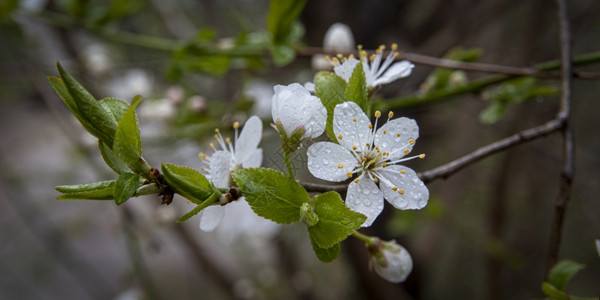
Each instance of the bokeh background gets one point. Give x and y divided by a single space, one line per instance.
483 235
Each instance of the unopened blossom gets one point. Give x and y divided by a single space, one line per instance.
338 38
377 70
295 108
242 153
391 261
371 156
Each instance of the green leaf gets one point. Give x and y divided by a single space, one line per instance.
336 220
102 190
214 197
356 90
272 194
187 182
331 89
326 254
281 17
116 107
127 143
562 272
86 187
282 55
111 160
125 187
553 292
91 111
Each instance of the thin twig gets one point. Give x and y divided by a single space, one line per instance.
567 172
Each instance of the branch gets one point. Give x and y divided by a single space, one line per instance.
567 172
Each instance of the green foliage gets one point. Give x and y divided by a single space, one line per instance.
281 17
125 187
187 182
326 254
272 194
336 220
445 79
282 54
331 89
112 160
6 9
357 90
512 92
562 272
102 190
215 196
127 142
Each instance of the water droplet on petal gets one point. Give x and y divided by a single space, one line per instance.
325 161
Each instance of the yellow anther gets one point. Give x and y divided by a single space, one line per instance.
394 47
385 131
401 191
368 145
227 140
395 54
349 174
375 180
377 114
356 180
359 47
217 130
402 171
351 56
236 125
406 151
422 155
398 134
354 148
339 55
390 114
372 57
364 159
327 58
384 164
380 49
216 136
335 61
411 142
394 188
339 136
363 53
377 148
354 120
212 146
340 166
370 126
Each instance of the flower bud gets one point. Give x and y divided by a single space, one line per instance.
390 260
294 107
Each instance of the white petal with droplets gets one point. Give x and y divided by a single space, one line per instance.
254 160
248 139
210 217
324 159
391 142
221 164
346 68
396 71
366 198
295 107
415 194
353 133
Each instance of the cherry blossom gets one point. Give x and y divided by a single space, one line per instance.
391 261
373 155
296 109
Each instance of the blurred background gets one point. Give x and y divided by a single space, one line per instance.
483 235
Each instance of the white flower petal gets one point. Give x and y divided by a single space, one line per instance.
316 123
210 217
399 263
396 71
387 138
415 194
254 159
352 133
325 159
339 38
294 106
346 68
309 86
248 139
366 198
221 164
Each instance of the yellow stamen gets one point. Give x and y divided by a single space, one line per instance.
385 131
327 58
216 136
390 114
377 114
394 47
372 57
368 145
398 134
384 164
411 142
394 188
364 159
236 125
340 166
212 146
375 180
349 174
402 172
339 136
422 155
356 180
406 151
354 120
370 126
227 140
339 55
401 191
354 148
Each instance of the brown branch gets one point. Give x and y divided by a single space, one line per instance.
458 65
567 172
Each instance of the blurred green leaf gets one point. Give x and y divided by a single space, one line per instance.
187 182
331 89
102 190
444 78
271 194
356 90
562 272
282 54
336 220
553 292
125 187
127 142
111 160
281 17
6 9
326 254
86 187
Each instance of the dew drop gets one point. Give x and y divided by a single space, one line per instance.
367 203
366 191
325 161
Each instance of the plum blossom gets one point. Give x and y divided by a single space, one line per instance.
293 107
374 156
338 38
391 261
243 153
377 72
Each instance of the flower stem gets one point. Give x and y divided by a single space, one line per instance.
288 164
369 240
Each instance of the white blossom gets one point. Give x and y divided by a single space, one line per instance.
392 262
294 107
243 153
373 155
337 38
377 71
